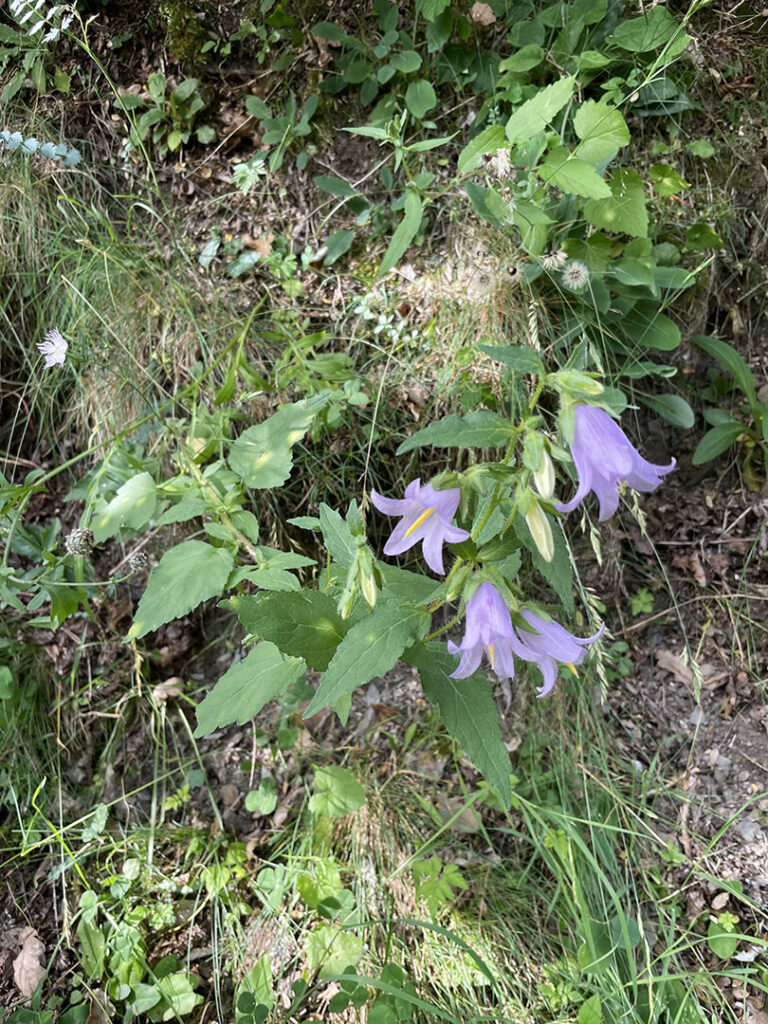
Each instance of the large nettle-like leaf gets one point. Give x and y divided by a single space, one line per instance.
304 623
186 575
370 648
481 429
240 694
467 710
262 455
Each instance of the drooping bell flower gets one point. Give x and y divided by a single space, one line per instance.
426 517
549 644
606 462
487 630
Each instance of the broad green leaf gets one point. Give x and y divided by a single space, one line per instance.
370 648
405 232
467 710
262 801
573 175
537 113
519 358
186 575
702 236
489 140
329 951
731 362
432 9
481 429
645 326
304 623
336 792
336 245
92 948
666 180
409 587
673 408
648 32
636 273
240 694
625 210
188 507
526 58
701 148
406 61
258 982
327 30
133 506
722 943
716 441
261 456
602 130
334 186
269 578
420 97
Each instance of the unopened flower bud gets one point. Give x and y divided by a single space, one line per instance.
79 542
544 477
541 531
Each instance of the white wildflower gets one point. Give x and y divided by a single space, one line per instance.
54 349
554 260
576 275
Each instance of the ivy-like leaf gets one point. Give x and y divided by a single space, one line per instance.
263 675
186 575
602 130
467 710
573 175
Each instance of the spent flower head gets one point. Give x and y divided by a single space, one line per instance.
549 643
607 462
426 517
575 275
53 348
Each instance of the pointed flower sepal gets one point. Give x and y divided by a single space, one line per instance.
426 516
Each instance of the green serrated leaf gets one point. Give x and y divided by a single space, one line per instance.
467 710
262 456
337 536
187 575
602 130
591 1011
558 572
649 32
303 623
537 113
370 648
625 210
240 694
329 951
133 506
481 429
573 175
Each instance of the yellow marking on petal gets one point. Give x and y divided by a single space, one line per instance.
572 667
622 486
422 519
490 656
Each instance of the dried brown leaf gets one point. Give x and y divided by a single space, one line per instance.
482 14
674 663
27 969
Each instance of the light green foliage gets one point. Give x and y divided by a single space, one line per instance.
436 882
281 132
329 950
336 793
171 119
641 603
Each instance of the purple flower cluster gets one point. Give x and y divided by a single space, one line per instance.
489 630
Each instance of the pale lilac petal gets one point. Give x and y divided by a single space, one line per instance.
606 460
549 674
470 660
389 506
432 549
446 502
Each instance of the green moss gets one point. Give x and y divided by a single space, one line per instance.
186 32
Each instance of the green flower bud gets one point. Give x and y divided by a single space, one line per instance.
541 531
